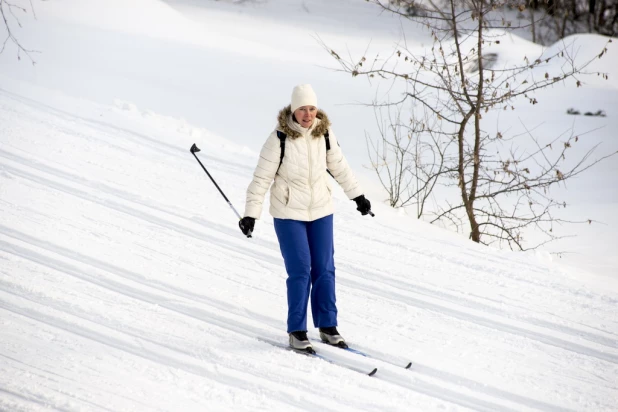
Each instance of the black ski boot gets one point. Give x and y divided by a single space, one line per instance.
332 337
300 342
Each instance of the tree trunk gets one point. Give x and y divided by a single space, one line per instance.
475 234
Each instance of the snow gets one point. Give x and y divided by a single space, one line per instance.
125 284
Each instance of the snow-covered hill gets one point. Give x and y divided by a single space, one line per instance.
125 284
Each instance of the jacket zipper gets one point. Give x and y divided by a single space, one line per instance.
310 185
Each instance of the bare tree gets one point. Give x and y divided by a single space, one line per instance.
408 167
548 20
503 188
9 11
559 18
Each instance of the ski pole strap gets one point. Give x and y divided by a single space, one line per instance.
237 214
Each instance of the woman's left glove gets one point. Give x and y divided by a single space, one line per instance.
246 225
363 205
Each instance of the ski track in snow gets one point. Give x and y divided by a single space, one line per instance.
178 297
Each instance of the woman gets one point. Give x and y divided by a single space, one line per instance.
302 207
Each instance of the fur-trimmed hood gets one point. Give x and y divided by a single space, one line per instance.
285 118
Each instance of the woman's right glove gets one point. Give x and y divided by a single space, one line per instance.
363 205
246 225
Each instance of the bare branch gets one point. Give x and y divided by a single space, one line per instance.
7 12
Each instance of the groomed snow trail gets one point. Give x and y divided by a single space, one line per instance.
126 285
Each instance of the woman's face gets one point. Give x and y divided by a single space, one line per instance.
305 115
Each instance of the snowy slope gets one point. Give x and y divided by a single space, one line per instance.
125 284
210 62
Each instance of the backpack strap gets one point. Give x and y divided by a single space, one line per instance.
282 136
327 140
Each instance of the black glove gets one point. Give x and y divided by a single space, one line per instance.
246 224
363 205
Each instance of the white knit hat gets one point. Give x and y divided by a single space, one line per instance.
303 95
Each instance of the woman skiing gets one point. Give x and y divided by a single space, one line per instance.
296 156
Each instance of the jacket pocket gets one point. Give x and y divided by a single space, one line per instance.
288 194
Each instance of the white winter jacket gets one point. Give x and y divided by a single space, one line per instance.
301 188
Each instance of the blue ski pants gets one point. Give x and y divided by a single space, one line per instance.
308 253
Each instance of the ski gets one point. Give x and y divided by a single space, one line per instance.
321 356
366 355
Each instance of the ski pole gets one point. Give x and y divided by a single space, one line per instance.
194 150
